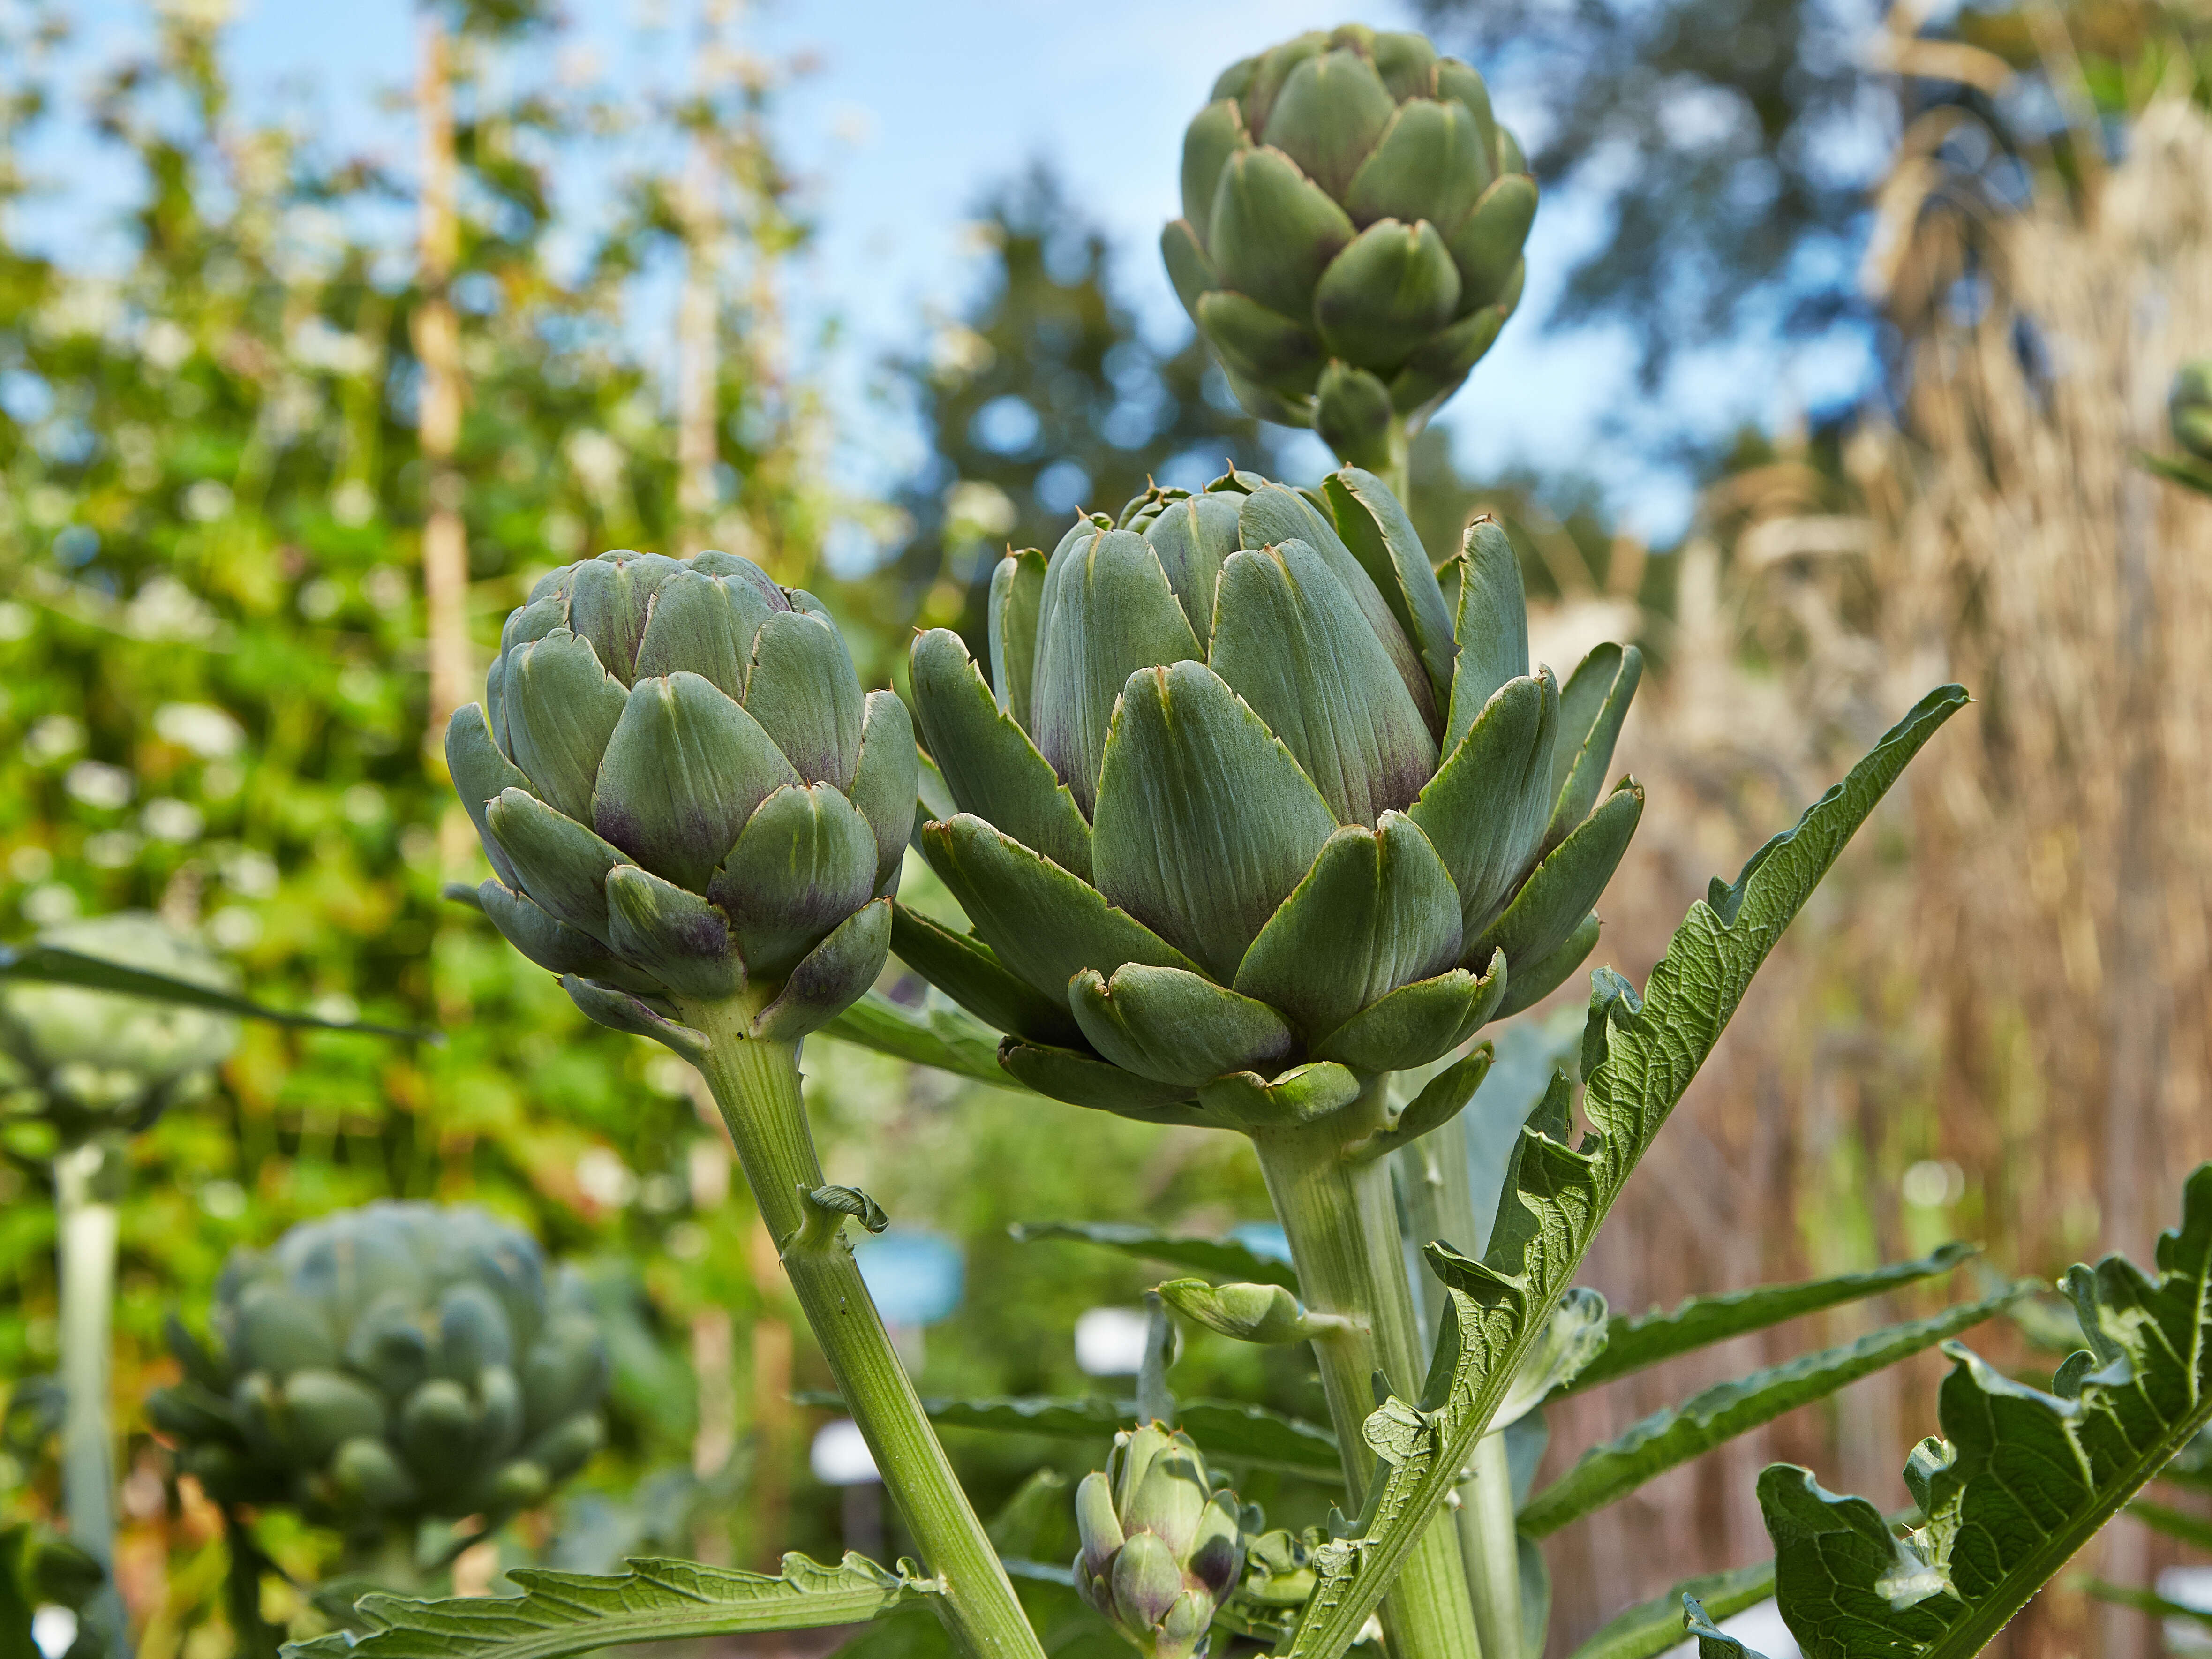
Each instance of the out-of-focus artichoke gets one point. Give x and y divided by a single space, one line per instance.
95 1061
1161 1548
2190 408
387 1365
684 794
1352 231
1255 815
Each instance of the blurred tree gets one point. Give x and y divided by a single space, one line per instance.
1736 144
1046 398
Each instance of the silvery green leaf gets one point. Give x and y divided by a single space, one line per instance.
52 964
655 1600
1496 1308
1679 1433
1219 1258
1574 1337
1635 1340
1650 1628
1232 1433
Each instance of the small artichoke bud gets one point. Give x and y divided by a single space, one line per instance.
94 1061
1350 246
685 795
363 1372
1160 1548
2190 408
1249 1312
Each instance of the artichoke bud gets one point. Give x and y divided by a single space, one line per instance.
1253 814
1353 223
1249 1312
365 1371
1160 1548
685 794
95 1061
2190 407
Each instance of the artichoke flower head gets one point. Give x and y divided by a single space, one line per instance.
2190 408
685 794
1254 814
388 1365
94 1061
1351 239
1160 1548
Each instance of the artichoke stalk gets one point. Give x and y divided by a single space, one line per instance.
696 819
386 1367
1161 1549
98 1067
1350 244
1254 818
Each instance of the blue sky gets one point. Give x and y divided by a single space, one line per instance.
915 110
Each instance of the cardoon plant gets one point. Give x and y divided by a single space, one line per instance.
1259 812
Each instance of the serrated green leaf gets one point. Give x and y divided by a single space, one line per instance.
2192 1529
1713 1642
1217 1258
1650 1628
1679 1433
1496 1309
1636 1340
52 964
656 1600
2019 1481
2149 1601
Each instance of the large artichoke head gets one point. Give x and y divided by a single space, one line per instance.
93 1061
685 794
387 1365
1161 1549
1352 231
2190 407
1254 814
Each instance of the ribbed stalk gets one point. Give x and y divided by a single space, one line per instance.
756 1084
1398 477
1432 1175
1343 1229
85 1222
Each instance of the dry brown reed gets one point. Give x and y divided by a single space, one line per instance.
2006 987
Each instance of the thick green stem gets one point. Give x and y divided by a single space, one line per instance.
755 1083
1336 1208
86 1221
1398 477
1433 1178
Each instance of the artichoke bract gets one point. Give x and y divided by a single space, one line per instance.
2190 408
94 1061
1255 815
387 1365
685 795
1351 239
1160 1548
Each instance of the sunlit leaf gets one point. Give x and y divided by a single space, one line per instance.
1679 1433
2019 1481
1635 1340
565 1612
53 964
1555 1195
1216 1258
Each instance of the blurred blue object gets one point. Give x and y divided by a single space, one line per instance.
1263 1238
915 1276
